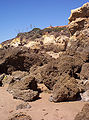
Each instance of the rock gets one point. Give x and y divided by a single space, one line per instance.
85 96
25 95
82 12
85 72
27 82
23 106
84 114
20 116
66 89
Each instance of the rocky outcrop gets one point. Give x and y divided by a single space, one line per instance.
84 114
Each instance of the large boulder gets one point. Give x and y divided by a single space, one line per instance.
84 114
66 89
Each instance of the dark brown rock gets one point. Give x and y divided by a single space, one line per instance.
66 89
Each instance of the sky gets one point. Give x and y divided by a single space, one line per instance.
23 15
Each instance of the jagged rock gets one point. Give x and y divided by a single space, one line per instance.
20 116
85 71
23 106
84 114
66 89
82 12
25 95
27 82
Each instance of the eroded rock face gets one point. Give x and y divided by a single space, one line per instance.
84 114
66 89
21 58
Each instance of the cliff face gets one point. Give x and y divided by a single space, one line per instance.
57 57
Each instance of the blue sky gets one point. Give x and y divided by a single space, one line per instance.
18 15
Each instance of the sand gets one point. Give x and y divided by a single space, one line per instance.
41 109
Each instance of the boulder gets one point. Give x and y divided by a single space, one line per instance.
20 116
84 114
25 95
66 89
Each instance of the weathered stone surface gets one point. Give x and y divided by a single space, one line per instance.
66 89
25 95
84 114
27 82
20 116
